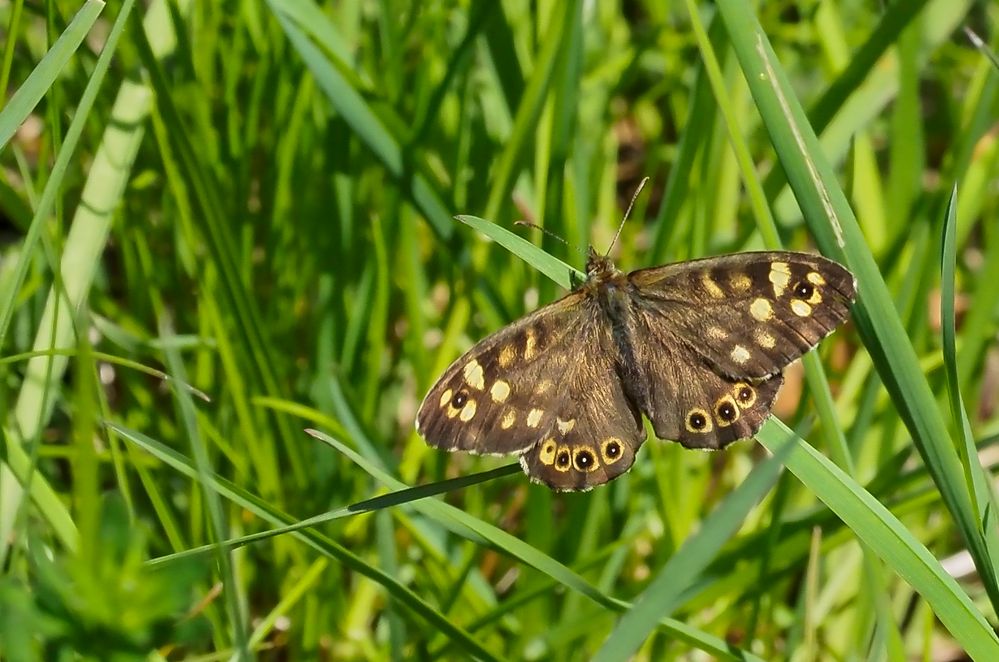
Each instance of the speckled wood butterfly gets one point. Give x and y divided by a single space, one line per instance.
697 347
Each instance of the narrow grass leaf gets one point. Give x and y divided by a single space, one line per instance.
887 537
400 497
982 496
349 102
548 264
663 594
41 79
311 537
479 531
234 596
80 260
531 103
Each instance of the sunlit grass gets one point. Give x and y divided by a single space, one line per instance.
259 201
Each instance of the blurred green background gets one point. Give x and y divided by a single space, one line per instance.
223 223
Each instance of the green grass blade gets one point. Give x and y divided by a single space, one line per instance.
479 531
549 265
664 593
80 259
34 88
399 497
343 96
887 537
835 228
314 539
234 594
982 496
526 119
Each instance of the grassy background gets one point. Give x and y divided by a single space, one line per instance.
224 223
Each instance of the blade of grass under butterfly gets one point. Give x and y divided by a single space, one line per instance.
399 497
835 228
835 440
876 526
549 265
479 531
321 543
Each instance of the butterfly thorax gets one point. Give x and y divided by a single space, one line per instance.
609 286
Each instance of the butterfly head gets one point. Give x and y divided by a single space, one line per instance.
599 267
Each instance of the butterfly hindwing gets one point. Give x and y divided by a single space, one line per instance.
597 429
690 402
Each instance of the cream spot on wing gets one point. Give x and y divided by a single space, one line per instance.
547 452
764 339
468 411
816 298
530 345
543 386
500 391
711 287
452 412
780 276
717 333
740 354
565 427
815 278
534 417
446 397
761 310
506 356
509 418
740 282
474 375
800 308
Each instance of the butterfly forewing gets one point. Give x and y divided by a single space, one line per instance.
495 397
749 314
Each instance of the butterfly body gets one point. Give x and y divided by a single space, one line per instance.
697 347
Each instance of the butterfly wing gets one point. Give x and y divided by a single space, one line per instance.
716 333
533 381
597 430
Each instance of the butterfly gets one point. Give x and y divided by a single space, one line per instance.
697 347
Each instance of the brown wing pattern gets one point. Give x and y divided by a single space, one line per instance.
716 333
597 429
489 399
749 314
688 401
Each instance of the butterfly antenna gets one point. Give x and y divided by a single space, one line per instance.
631 204
547 232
